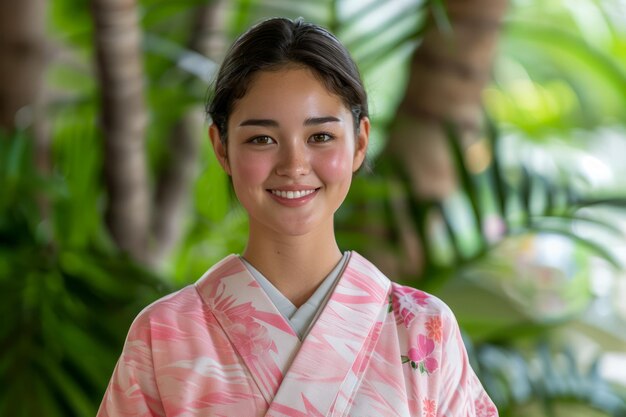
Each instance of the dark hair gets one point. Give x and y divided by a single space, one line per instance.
278 42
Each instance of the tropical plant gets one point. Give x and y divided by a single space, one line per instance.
61 273
67 317
546 380
525 190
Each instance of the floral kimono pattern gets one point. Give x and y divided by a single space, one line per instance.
221 348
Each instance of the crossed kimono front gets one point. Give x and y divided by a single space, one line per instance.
221 348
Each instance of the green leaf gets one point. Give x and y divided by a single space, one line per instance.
562 42
77 399
440 13
422 368
594 247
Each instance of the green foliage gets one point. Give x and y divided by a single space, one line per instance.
69 296
547 380
560 68
487 275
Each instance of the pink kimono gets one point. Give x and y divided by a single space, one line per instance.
221 348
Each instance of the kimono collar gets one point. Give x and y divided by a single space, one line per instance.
300 318
325 368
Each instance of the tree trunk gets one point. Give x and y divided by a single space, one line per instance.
209 30
448 72
174 184
120 68
22 58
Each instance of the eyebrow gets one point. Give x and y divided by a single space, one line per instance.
259 122
273 123
320 120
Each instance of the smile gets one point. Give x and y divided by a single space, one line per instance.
292 195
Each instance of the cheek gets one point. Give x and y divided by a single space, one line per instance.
248 169
335 165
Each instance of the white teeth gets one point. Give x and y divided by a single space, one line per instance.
290 195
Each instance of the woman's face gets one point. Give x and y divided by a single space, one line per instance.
291 152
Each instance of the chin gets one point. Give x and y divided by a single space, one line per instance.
295 231
292 227
297 228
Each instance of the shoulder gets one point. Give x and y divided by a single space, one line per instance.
186 307
167 310
410 296
406 302
188 300
413 307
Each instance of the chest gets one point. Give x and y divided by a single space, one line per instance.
245 370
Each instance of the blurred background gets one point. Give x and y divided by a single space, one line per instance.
498 182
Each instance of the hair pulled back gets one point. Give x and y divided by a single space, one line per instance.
279 42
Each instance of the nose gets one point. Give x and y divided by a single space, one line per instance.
293 160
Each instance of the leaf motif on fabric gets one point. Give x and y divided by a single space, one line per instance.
406 302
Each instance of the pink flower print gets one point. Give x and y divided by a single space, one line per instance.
429 408
425 347
406 300
485 408
250 338
434 328
419 356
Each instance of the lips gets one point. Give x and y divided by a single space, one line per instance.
292 195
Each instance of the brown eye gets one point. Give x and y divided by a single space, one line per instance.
262 140
321 138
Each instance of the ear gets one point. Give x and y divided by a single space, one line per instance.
362 140
219 148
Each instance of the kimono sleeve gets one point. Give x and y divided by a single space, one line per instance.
461 394
132 390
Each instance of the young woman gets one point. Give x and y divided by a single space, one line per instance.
293 327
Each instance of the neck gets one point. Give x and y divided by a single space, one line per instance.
295 265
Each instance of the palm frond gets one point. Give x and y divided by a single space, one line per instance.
553 377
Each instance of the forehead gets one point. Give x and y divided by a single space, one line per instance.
288 90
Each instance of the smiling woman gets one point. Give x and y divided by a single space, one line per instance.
291 154
293 326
